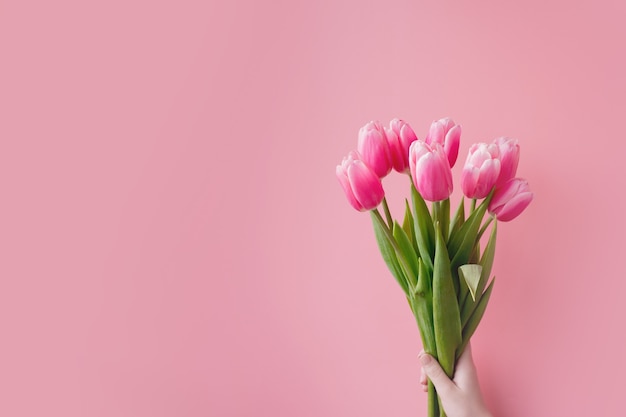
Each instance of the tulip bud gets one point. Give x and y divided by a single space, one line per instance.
448 134
481 170
509 159
400 136
374 149
510 200
431 171
362 186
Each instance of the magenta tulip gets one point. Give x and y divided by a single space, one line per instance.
509 159
362 186
374 149
510 200
400 136
431 171
481 170
448 134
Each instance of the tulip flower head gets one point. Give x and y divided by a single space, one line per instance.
509 159
374 149
481 170
431 171
511 199
448 134
361 185
400 136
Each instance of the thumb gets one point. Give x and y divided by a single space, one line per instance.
435 373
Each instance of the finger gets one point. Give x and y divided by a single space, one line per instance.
466 357
424 380
436 374
465 370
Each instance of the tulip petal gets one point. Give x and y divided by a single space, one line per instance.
436 134
347 189
509 158
395 149
451 144
433 177
481 170
489 172
366 186
514 207
469 179
507 192
374 149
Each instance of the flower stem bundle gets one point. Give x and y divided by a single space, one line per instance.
436 257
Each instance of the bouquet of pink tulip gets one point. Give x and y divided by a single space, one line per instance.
435 258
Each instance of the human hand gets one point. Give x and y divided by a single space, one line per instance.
460 397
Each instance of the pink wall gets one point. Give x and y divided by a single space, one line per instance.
173 241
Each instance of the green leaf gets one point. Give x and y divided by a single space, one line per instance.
467 307
388 252
408 225
476 317
421 302
444 217
475 255
407 251
458 220
424 230
446 316
465 240
487 259
471 273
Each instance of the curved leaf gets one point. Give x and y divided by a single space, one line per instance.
388 252
407 251
424 230
446 316
475 318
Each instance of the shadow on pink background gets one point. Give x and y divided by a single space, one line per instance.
173 241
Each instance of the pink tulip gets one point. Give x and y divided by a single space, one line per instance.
400 136
361 185
448 134
374 149
431 171
481 170
509 158
510 200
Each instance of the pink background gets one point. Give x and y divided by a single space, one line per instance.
173 241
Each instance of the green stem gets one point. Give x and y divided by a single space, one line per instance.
387 213
473 206
436 211
482 229
433 401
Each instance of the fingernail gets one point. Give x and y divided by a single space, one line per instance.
424 358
